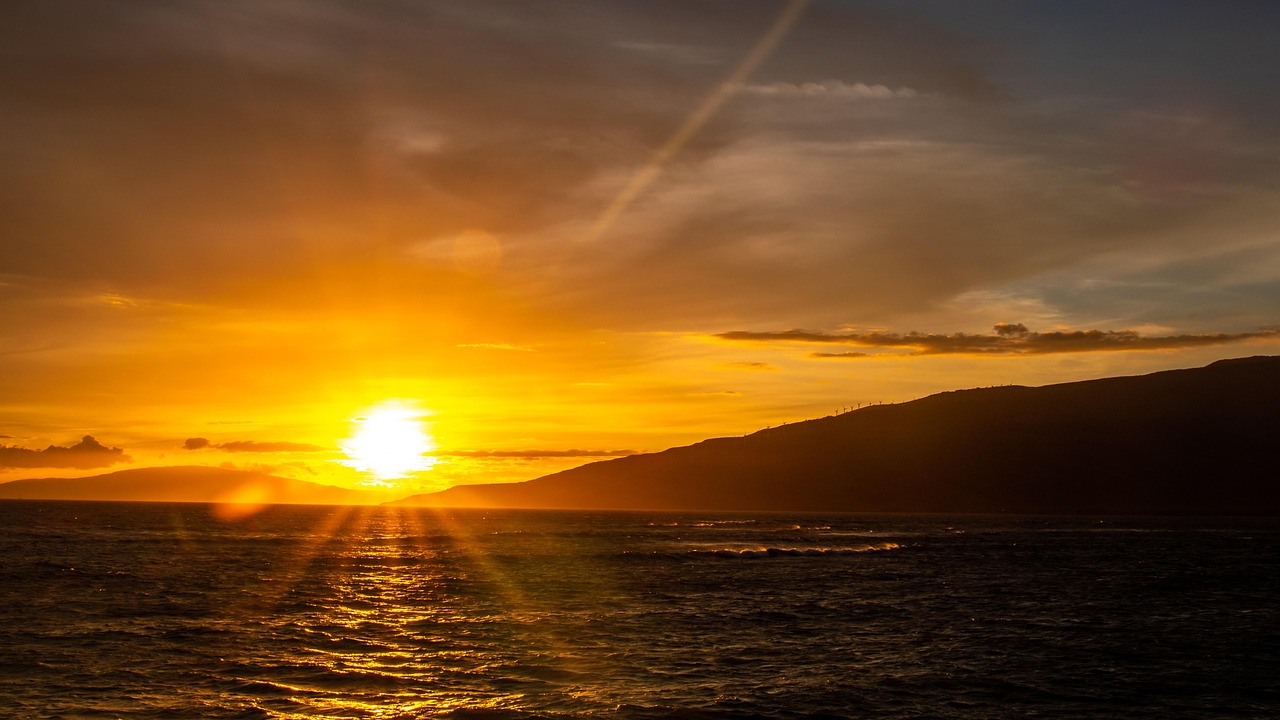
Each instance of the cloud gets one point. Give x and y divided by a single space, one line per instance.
529 454
569 96
1006 339
746 365
897 219
840 355
797 201
254 446
829 88
251 446
1004 329
84 455
688 54
506 143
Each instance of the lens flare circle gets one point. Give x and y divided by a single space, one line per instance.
389 442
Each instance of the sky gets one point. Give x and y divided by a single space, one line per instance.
560 231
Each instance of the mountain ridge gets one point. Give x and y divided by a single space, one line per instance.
1174 442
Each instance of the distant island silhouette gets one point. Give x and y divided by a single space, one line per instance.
183 484
1200 441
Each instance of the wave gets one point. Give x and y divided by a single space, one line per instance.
706 523
770 552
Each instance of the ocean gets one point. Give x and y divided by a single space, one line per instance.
121 610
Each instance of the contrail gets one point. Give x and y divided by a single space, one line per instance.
646 175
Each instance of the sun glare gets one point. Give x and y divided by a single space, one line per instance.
389 442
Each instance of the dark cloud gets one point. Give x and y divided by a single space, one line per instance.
886 157
533 454
255 446
1004 329
84 455
1007 339
251 446
748 365
201 143
433 117
840 355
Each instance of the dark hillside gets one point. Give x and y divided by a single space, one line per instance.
1200 441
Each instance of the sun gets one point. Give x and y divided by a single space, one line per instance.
389 442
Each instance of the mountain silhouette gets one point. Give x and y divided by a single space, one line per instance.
1199 441
183 484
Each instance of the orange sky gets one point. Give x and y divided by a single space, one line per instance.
566 232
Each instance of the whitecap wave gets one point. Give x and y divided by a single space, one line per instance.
769 552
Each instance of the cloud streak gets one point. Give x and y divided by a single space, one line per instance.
84 455
1005 339
748 365
533 454
829 88
198 443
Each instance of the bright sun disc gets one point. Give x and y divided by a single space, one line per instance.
389 442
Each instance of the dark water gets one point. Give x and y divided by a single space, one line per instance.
142 611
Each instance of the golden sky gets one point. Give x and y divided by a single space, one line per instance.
558 232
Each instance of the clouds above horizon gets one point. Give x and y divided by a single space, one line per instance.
438 121
1006 339
84 455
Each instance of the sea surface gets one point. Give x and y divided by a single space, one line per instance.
193 611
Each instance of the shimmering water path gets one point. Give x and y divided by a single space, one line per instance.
176 611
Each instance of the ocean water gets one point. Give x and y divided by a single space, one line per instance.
183 611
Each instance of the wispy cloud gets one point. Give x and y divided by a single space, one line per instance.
528 454
1005 339
829 88
84 455
688 54
749 365
198 443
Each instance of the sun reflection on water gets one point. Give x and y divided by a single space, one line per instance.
402 606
